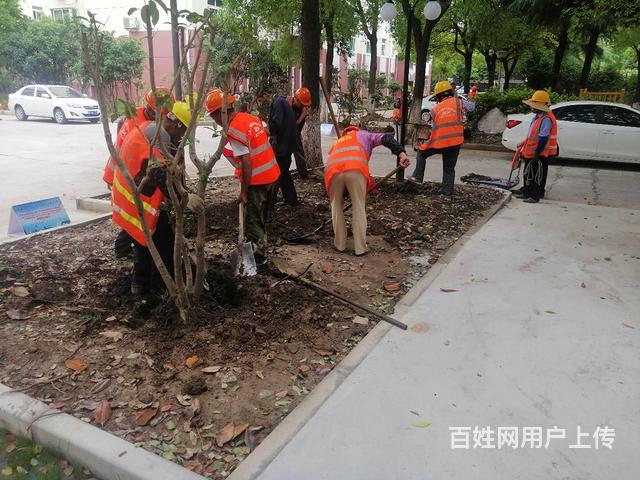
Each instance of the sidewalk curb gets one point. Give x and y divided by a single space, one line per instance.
91 204
278 439
485 147
107 456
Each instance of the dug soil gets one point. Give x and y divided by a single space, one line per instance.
204 394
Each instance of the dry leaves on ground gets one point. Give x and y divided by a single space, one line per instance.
102 414
76 364
229 432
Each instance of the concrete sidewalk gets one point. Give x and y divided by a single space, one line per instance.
542 331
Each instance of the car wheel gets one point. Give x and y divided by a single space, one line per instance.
58 116
20 115
94 120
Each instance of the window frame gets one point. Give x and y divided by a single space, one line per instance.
629 112
33 94
61 13
598 113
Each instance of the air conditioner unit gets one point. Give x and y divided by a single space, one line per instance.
130 23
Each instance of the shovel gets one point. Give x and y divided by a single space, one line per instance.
306 237
242 259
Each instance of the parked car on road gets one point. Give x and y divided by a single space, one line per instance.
587 130
59 102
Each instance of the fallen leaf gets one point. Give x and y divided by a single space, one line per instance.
421 424
171 425
102 414
133 355
192 361
391 287
17 315
282 403
169 366
114 335
420 327
627 325
259 374
324 353
144 416
20 291
583 285
448 290
360 320
328 268
166 408
304 369
110 319
76 364
551 312
229 432
100 386
213 369
57 405
184 400
282 393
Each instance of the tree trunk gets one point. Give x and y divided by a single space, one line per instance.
589 54
508 71
490 59
563 42
311 44
373 65
422 40
468 63
331 45
636 97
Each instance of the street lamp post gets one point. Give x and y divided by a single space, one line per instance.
388 12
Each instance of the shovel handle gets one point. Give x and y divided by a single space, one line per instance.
240 224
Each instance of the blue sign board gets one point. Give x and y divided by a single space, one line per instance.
39 215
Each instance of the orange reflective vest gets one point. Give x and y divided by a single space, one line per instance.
346 154
128 125
134 152
531 143
248 130
448 124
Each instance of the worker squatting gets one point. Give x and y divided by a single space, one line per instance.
261 157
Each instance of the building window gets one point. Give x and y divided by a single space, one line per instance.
37 13
63 13
367 46
215 3
383 47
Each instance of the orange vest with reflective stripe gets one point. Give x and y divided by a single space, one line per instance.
531 143
248 130
448 124
128 125
134 152
346 154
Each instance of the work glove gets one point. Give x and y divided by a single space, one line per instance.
195 204
404 160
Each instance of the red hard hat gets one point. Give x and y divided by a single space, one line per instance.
161 92
303 95
214 100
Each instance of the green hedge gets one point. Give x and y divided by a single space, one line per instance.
508 102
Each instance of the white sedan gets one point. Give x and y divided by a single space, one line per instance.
587 130
59 102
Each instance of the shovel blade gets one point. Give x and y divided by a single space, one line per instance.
249 267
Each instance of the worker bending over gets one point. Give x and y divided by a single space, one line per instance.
347 168
136 156
300 103
249 151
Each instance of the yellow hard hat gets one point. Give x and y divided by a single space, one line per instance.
182 112
540 100
442 86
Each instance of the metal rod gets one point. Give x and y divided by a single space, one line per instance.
325 89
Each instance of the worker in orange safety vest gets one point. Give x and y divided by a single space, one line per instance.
123 244
447 135
540 144
135 153
249 151
347 168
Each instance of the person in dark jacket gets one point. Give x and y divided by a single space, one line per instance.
283 137
300 103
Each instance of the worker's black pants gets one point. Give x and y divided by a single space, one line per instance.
145 273
301 162
123 244
532 188
286 182
449 160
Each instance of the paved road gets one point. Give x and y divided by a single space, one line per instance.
542 332
40 159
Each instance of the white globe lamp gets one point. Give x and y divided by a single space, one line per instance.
388 11
432 10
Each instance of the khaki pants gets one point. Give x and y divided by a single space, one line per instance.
356 184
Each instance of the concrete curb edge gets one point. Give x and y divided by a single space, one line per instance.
278 439
107 456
